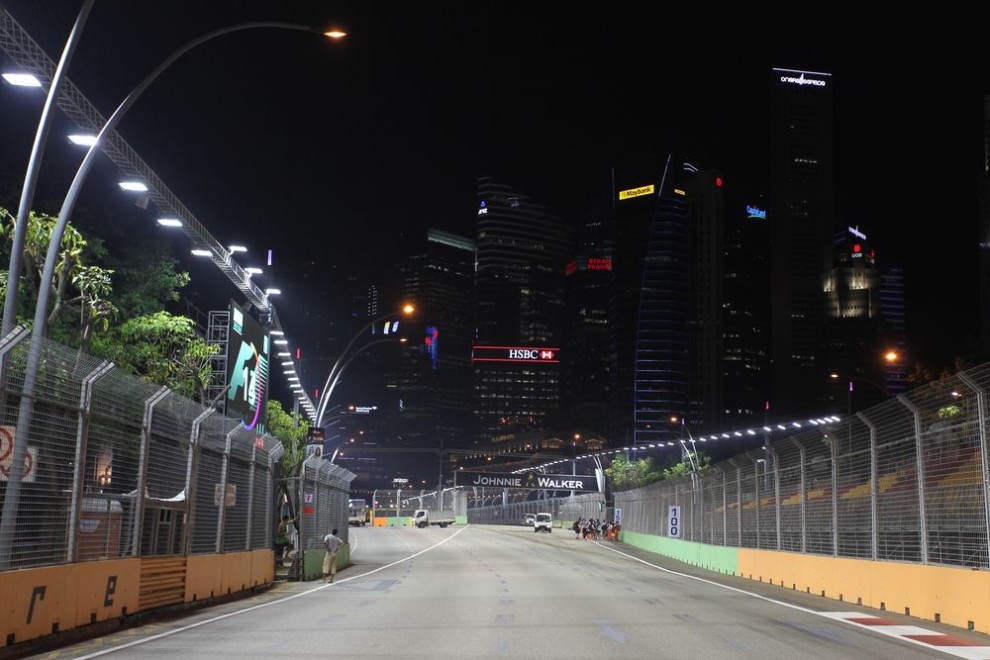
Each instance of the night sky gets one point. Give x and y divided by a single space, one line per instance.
336 152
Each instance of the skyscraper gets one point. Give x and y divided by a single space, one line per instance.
864 320
666 316
432 385
650 300
746 361
585 367
706 298
802 217
522 251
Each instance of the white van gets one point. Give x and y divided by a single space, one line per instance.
544 522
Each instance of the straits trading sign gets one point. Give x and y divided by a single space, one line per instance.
539 354
803 78
531 480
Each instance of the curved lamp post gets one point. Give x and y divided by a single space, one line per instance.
34 165
336 378
12 497
343 360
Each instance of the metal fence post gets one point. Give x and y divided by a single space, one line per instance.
739 507
142 481
981 411
834 444
222 517
756 496
82 438
192 469
270 491
250 506
776 492
7 343
919 457
804 492
725 512
874 489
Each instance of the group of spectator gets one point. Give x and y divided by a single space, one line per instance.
594 529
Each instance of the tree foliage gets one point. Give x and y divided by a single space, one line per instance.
86 299
625 473
291 430
146 279
79 293
163 349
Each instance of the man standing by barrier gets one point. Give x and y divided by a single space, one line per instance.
332 543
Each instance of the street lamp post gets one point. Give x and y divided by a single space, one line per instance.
344 360
25 412
34 165
691 453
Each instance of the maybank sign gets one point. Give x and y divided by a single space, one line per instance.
533 480
636 192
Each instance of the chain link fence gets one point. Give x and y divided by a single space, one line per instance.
118 467
905 481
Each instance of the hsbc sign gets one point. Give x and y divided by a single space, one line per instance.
516 354
530 354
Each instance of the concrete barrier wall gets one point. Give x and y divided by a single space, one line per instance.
44 601
37 602
955 596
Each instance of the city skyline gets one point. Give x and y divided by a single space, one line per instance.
388 132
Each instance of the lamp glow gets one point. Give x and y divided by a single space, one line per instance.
170 222
27 79
83 140
133 186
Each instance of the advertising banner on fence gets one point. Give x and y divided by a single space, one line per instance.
532 480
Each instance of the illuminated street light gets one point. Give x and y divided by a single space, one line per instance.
8 517
131 186
87 140
170 222
22 79
338 366
27 193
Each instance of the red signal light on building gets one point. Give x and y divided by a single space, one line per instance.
718 182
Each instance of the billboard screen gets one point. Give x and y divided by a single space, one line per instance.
247 369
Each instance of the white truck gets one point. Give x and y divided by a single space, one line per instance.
424 517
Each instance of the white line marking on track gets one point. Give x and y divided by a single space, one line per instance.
954 646
204 622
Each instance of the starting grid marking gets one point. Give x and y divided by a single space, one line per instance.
957 646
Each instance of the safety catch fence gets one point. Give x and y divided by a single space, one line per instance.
114 466
905 480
